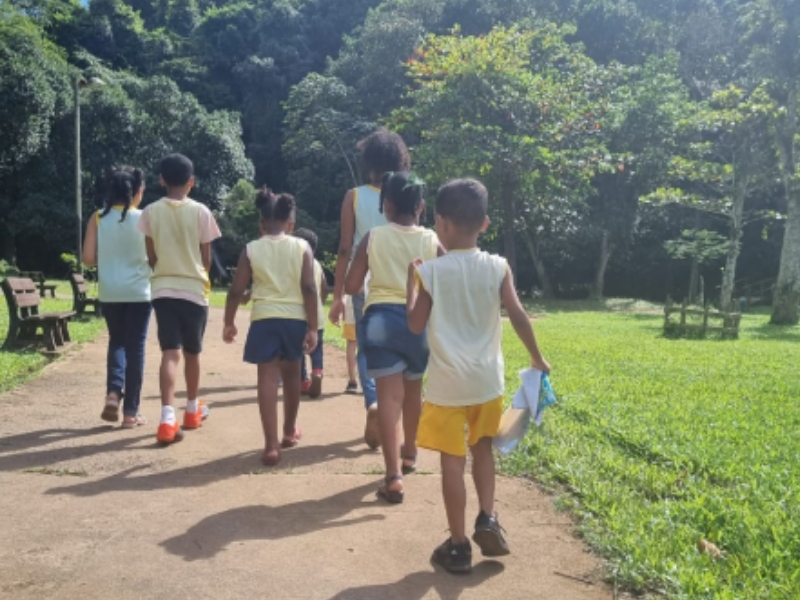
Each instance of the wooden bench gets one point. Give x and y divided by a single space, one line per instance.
80 300
728 329
39 278
24 319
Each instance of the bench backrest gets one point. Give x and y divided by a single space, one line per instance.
79 285
22 296
37 276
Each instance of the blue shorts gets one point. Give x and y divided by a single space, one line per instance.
271 339
389 345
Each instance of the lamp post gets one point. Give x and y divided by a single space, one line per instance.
80 83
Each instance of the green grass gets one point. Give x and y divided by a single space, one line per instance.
656 444
17 366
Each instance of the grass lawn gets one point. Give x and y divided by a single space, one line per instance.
16 366
658 443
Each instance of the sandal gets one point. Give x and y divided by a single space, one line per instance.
271 458
138 421
391 496
290 441
406 468
111 409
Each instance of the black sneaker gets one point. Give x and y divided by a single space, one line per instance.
489 536
352 388
455 558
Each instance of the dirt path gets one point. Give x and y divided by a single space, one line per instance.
92 512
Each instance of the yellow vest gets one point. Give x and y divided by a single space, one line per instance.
318 275
175 229
277 264
391 249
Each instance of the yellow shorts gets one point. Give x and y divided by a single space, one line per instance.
349 332
441 428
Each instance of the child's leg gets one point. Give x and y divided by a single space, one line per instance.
351 361
290 372
115 359
412 407
483 474
170 359
137 320
316 355
391 392
303 370
455 495
191 371
268 376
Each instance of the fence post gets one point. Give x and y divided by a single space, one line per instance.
683 313
705 320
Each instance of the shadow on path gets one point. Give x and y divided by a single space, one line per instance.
259 522
417 585
132 480
43 437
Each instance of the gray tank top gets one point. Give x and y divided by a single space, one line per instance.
122 258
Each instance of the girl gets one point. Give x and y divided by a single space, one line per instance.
283 316
396 357
114 243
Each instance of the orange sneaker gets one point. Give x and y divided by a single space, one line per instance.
195 420
169 434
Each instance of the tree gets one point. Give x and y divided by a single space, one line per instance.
522 108
700 246
34 92
773 31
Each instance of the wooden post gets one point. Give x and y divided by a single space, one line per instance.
683 313
705 320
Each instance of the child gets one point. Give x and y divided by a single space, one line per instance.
313 386
115 244
179 234
349 335
284 319
396 357
381 152
459 302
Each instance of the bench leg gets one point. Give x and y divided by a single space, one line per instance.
11 337
48 333
64 326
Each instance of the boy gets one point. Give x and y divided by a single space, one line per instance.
458 297
179 234
381 152
313 386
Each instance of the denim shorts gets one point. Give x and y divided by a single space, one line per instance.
275 339
390 346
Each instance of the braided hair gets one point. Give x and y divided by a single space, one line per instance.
275 207
405 190
123 184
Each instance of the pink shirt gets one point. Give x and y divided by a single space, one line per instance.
209 231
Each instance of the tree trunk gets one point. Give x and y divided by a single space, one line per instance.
547 288
786 304
694 280
606 250
734 244
9 245
509 217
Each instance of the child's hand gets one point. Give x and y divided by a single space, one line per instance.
336 314
310 342
540 364
412 272
229 334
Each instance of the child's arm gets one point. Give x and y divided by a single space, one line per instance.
418 300
521 322
358 270
90 243
309 289
205 253
152 259
348 228
237 290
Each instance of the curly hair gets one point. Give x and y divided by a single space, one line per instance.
384 151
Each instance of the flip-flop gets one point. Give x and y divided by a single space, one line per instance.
290 441
408 469
138 422
110 411
270 458
391 496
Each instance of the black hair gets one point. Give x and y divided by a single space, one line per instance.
405 190
465 202
384 151
176 170
309 236
275 207
123 184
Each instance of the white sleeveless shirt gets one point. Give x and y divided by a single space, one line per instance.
122 266
366 205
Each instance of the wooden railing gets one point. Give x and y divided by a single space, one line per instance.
699 322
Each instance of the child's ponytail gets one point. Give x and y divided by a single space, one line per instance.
275 207
406 191
123 184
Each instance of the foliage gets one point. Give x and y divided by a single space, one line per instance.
683 443
701 245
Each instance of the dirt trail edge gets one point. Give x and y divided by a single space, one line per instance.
88 511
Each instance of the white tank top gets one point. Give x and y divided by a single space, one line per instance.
366 206
123 272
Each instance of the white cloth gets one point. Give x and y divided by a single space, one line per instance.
529 394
